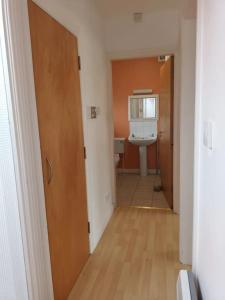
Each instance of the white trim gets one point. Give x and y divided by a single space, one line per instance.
183 286
176 109
12 260
24 126
198 122
176 134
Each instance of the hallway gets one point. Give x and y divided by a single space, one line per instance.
136 259
79 78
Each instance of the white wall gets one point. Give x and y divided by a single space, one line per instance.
189 9
187 115
82 19
209 242
13 282
157 34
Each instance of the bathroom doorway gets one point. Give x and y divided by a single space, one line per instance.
143 91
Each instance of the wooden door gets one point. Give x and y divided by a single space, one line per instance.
55 61
166 128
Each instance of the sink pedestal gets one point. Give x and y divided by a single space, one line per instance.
143 160
143 143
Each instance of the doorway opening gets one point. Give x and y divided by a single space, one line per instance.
143 92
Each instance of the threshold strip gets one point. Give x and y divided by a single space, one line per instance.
150 208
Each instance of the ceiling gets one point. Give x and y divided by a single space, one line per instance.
113 8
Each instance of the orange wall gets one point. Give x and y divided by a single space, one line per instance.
129 75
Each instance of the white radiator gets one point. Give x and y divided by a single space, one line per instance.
186 289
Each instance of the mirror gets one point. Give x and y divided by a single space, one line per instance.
143 107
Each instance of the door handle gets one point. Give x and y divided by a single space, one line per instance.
49 170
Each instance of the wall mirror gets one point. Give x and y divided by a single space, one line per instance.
143 107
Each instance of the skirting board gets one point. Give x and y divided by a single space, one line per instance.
135 171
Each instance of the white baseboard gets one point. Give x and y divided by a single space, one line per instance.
135 171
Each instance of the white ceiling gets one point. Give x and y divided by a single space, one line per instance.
113 8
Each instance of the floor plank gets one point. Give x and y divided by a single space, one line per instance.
136 259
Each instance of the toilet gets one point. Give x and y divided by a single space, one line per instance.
119 148
116 160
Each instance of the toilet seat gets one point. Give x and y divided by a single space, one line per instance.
116 159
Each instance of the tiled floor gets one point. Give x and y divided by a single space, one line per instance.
134 190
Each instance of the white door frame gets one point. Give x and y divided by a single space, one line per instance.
176 111
23 121
198 133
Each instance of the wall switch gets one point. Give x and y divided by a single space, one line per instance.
208 135
92 112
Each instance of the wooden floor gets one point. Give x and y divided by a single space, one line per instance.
136 259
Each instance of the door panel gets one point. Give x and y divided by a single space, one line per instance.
55 61
166 128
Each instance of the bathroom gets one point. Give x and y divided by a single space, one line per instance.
143 131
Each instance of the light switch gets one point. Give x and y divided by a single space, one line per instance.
92 112
208 135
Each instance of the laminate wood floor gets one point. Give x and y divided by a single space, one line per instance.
136 259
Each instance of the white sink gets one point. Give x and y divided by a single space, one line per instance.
142 142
